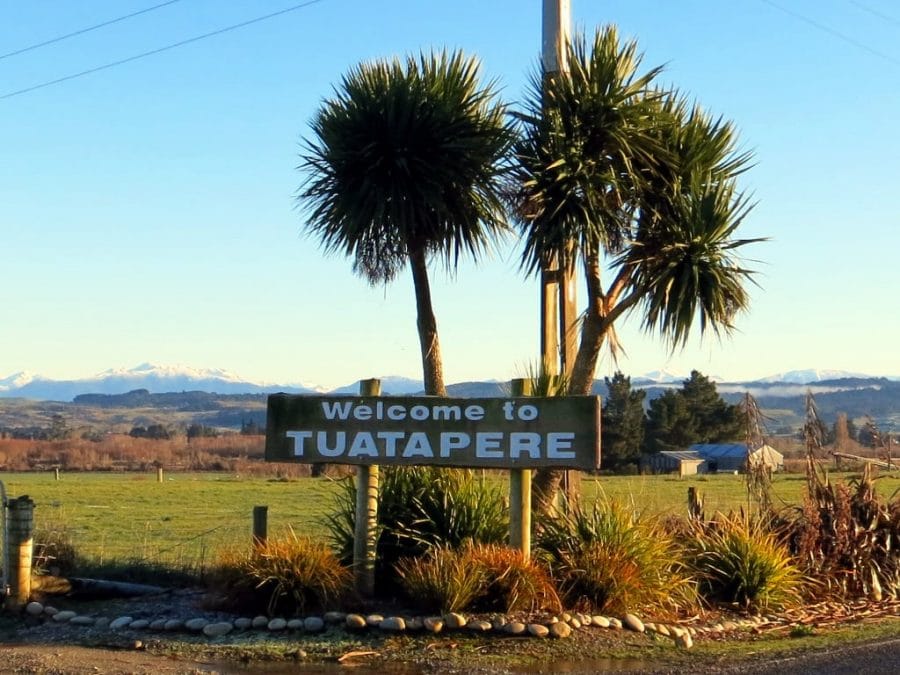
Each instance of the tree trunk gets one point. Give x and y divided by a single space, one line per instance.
545 485
432 365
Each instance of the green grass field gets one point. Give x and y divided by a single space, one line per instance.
185 519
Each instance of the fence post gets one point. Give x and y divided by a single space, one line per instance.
159 474
365 535
520 491
20 535
260 525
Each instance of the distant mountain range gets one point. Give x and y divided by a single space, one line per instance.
172 395
158 379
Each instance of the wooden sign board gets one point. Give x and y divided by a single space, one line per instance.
501 433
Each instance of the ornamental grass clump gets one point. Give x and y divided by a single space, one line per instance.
420 508
738 559
610 558
442 581
289 575
488 578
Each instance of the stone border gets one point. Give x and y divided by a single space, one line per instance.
560 626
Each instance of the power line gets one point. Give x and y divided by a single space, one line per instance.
85 30
159 50
831 31
875 12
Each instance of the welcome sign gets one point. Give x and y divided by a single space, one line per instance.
502 433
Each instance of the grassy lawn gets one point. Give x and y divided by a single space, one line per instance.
188 517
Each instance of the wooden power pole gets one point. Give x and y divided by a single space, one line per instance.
559 342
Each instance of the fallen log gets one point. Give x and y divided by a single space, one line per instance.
94 589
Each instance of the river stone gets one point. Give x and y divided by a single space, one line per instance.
313 624
455 620
158 624
373 620
684 641
217 629
498 622
675 631
575 622
355 621
662 629
334 617
650 627
600 621
277 624
101 622
82 620
64 616
479 626
295 624
34 609
538 630
243 623
433 624
552 619
260 621
692 631
174 624
393 623
415 623
515 628
50 611
729 626
565 616
560 629
139 624
615 623
631 622
196 624
119 623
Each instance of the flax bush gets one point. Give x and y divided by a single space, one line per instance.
738 559
847 537
420 508
611 558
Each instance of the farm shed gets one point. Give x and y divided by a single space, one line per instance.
735 456
682 462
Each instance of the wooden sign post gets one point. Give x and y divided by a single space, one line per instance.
365 535
520 492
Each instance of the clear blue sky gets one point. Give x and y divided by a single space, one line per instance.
146 211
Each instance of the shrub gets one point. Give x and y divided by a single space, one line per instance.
420 508
847 537
512 582
287 575
53 550
613 559
477 577
739 560
442 581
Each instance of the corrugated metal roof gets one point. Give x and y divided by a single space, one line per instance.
719 450
715 451
683 455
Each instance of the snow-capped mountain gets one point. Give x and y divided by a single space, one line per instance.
811 375
155 378
390 384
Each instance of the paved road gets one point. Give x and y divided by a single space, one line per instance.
881 657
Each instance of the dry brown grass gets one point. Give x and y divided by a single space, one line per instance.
120 452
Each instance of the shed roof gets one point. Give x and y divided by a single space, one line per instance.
683 455
719 450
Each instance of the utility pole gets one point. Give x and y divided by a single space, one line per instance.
558 296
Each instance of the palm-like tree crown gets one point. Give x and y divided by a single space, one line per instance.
405 158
